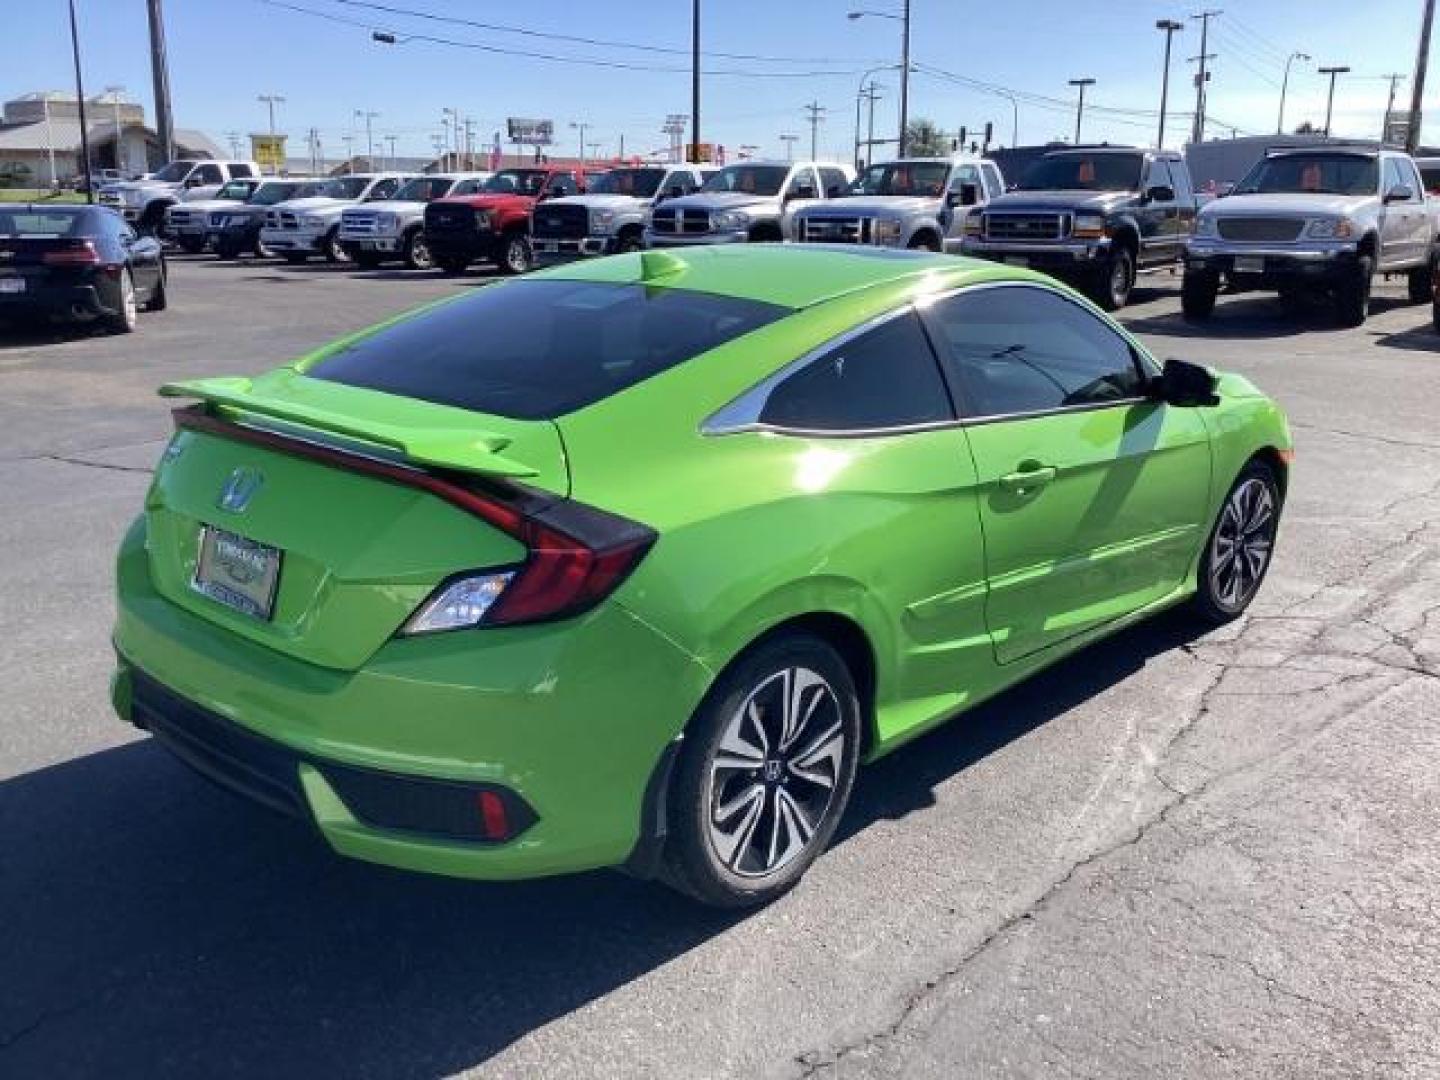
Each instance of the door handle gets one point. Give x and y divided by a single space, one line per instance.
1028 479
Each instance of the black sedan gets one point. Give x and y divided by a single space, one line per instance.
79 263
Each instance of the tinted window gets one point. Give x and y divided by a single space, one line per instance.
563 184
639 183
885 378
993 187
1181 175
1396 176
241 170
515 182
384 189
903 178
1160 175
1020 349
45 224
833 181
538 349
1316 174
749 179
1431 176
1084 172
425 189
208 174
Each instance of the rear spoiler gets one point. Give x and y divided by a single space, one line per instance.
463 450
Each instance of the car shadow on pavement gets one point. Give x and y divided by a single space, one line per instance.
26 335
1252 316
152 925
1422 338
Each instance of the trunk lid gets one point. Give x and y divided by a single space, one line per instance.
359 550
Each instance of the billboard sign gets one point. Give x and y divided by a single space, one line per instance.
268 150
531 132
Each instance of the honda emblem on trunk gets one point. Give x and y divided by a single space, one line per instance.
239 489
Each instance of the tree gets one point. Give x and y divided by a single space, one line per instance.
1307 128
924 139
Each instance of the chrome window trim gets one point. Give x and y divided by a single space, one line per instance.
742 414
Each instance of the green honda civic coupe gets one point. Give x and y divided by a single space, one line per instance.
631 563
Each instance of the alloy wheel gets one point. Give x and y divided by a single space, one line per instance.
1244 540
774 775
129 309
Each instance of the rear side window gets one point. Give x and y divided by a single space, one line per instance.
241 169
885 378
1018 349
537 349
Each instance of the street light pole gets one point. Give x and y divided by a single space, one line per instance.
1169 26
1422 63
1330 99
904 20
369 118
1285 85
581 125
1080 107
80 101
694 155
789 141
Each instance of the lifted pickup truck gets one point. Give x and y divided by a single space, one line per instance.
1094 215
143 202
1319 220
744 203
493 223
188 223
392 228
610 216
300 228
909 203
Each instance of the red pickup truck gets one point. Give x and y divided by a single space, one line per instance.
493 224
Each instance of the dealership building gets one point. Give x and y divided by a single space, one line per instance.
40 138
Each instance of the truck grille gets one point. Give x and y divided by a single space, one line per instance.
674 220
1032 227
561 222
180 217
1258 229
449 217
834 230
358 221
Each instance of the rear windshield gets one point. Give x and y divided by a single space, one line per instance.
44 224
537 349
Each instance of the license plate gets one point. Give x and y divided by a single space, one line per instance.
1016 260
12 285
237 572
1249 264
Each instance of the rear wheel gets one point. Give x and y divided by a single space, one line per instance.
765 774
127 312
1112 290
1198 290
1241 544
516 256
152 221
191 245
1353 295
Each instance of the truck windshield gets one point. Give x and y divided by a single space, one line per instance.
278 191
903 178
1084 172
515 182
174 172
235 189
424 189
345 187
640 183
1312 174
749 179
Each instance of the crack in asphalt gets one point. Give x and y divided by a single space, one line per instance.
91 464
1368 436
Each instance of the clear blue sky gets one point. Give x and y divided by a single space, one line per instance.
225 52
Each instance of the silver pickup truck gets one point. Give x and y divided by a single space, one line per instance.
1319 220
297 229
908 203
744 203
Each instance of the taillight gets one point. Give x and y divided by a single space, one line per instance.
78 253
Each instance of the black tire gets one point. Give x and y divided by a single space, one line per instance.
416 252
1245 529
227 249
295 258
1198 290
1421 283
452 267
191 245
332 249
1116 280
630 240
125 317
1435 314
516 255
152 221
258 248
924 242
160 298
766 234
799 790
1352 297
368 260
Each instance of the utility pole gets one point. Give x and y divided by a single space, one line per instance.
874 96
1395 80
233 137
470 142
391 139
160 77
1330 99
816 116
694 156
1422 63
80 101
789 141
1080 107
904 77
1285 85
116 91
1203 76
1170 27
369 118
581 124
270 101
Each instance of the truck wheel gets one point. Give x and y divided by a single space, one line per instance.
452 267
331 249
226 249
416 252
295 258
924 242
191 245
152 221
629 241
515 254
367 260
1422 283
1197 293
1353 296
258 248
1112 291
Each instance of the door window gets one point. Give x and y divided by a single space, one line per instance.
562 184
832 182
884 378
803 178
241 169
384 189
993 187
208 174
1022 349
1160 175
1394 178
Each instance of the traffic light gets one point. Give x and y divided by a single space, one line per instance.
989 134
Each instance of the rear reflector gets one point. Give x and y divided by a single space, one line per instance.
492 816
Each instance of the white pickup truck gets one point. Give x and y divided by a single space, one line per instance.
300 228
143 202
394 228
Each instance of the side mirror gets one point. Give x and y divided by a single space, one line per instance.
1399 193
1184 385
1160 193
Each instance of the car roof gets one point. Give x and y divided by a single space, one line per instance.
792 275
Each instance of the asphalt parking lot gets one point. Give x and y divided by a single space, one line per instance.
1177 854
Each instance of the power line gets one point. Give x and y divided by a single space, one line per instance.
1260 39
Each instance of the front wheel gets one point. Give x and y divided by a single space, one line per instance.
331 249
1421 283
628 242
417 252
516 256
924 242
1238 553
1198 290
1116 280
1353 295
452 267
765 774
191 245
259 249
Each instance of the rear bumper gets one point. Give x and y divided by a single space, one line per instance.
567 722
66 301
